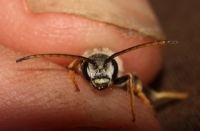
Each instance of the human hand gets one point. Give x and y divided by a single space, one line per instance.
39 95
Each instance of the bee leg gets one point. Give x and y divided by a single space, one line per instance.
138 91
125 81
134 87
72 72
170 95
159 97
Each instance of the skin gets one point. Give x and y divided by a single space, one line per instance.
39 94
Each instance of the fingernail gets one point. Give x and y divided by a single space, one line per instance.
134 15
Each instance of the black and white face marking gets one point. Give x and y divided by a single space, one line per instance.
100 74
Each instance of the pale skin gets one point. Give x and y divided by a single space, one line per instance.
39 93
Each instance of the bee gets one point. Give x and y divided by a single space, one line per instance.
101 67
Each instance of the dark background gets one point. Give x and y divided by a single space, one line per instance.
180 20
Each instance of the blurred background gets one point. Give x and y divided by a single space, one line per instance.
180 20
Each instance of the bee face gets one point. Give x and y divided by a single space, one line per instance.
100 74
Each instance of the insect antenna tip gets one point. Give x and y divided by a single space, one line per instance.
18 60
21 59
172 42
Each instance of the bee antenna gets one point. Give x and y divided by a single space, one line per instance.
54 55
151 43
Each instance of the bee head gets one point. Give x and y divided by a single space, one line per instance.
100 73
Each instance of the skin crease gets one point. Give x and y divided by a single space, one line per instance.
39 95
